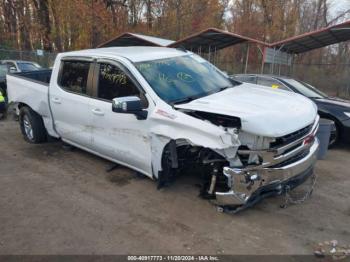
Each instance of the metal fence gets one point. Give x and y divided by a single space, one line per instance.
333 79
45 59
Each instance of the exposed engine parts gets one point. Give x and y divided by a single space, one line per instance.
203 162
257 171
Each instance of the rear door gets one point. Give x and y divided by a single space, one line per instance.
119 136
70 101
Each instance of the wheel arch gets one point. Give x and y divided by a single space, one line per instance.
36 122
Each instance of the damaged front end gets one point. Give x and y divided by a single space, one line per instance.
288 162
237 169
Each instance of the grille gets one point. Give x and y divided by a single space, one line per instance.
293 159
287 139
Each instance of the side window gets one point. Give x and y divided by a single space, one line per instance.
74 76
113 82
270 82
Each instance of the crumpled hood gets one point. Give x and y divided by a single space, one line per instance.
263 111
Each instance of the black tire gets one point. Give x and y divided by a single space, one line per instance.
30 120
335 135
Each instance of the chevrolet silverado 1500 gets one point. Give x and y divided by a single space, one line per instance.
165 112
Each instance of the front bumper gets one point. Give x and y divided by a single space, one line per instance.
289 165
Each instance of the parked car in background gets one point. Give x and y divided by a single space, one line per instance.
3 72
14 66
166 112
335 109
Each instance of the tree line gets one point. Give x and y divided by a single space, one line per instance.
63 25
59 25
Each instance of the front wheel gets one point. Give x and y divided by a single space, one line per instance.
32 126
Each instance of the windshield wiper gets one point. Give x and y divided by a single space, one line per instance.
224 88
191 98
315 97
183 100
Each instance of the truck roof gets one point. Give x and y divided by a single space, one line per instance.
133 53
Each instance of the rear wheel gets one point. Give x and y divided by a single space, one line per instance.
32 126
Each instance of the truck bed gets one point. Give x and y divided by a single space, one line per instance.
31 89
41 76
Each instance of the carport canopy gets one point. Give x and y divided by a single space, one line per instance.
212 39
316 39
132 39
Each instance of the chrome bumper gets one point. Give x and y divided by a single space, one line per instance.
277 169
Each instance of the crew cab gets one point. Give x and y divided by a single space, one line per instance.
167 112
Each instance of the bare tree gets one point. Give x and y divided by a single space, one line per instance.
42 8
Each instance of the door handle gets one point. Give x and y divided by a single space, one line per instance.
98 112
56 100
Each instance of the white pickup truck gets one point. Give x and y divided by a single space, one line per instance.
165 112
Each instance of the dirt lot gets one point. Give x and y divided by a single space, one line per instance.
54 201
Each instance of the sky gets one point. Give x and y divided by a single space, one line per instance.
338 6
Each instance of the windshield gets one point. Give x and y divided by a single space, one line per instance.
182 79
305 89
24 67
3 70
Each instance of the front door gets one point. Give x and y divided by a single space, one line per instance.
119 136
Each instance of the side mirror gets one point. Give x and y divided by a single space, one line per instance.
129 105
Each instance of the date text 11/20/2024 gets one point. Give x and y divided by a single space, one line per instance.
173 258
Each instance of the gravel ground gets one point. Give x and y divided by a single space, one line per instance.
55 201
